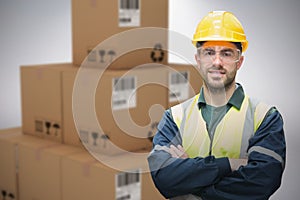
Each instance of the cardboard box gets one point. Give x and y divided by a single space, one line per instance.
8 157
119 177
47 97
184 83
40 169
95 23
117 113
41 95
10 131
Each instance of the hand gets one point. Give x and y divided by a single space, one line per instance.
178 152
235 163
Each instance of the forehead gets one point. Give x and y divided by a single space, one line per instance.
218 45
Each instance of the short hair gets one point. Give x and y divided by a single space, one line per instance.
237 44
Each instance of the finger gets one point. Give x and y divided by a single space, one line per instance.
242 162
173 152
180 148
184 154
178 152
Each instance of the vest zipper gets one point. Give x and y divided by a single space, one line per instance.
211 138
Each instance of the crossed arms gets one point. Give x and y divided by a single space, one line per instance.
174 174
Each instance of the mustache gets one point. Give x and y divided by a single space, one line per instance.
217 68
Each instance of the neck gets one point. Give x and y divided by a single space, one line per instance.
218 97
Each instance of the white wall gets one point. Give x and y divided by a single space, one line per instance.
271 69
39 31
31 32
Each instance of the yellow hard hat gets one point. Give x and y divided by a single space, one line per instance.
220 26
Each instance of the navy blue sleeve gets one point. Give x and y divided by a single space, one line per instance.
176 176
261 177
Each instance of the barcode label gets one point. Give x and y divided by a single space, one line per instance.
121 84
124 93
129 13
129 4
128 185
128 178
178 86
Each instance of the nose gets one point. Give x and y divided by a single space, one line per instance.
217 59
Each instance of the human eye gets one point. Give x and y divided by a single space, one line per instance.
227 53
208 52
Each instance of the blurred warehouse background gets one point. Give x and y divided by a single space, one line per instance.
39 31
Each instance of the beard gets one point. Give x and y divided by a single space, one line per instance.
218 79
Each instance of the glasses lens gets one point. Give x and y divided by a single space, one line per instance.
227 55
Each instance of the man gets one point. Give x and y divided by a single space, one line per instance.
220 144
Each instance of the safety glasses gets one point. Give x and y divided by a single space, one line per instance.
227 55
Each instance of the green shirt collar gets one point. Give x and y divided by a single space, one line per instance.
236 99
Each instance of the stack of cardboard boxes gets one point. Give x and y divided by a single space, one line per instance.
86 125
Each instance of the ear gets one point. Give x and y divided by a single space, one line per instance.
240 62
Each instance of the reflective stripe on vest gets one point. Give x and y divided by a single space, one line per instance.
231 135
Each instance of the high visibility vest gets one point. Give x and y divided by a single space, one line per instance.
231 134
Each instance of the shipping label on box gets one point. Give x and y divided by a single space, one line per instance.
184 82
124 92
126 50
94 141
178 86
100 56
49 129
129 13
128 185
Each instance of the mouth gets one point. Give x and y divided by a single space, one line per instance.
216 72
